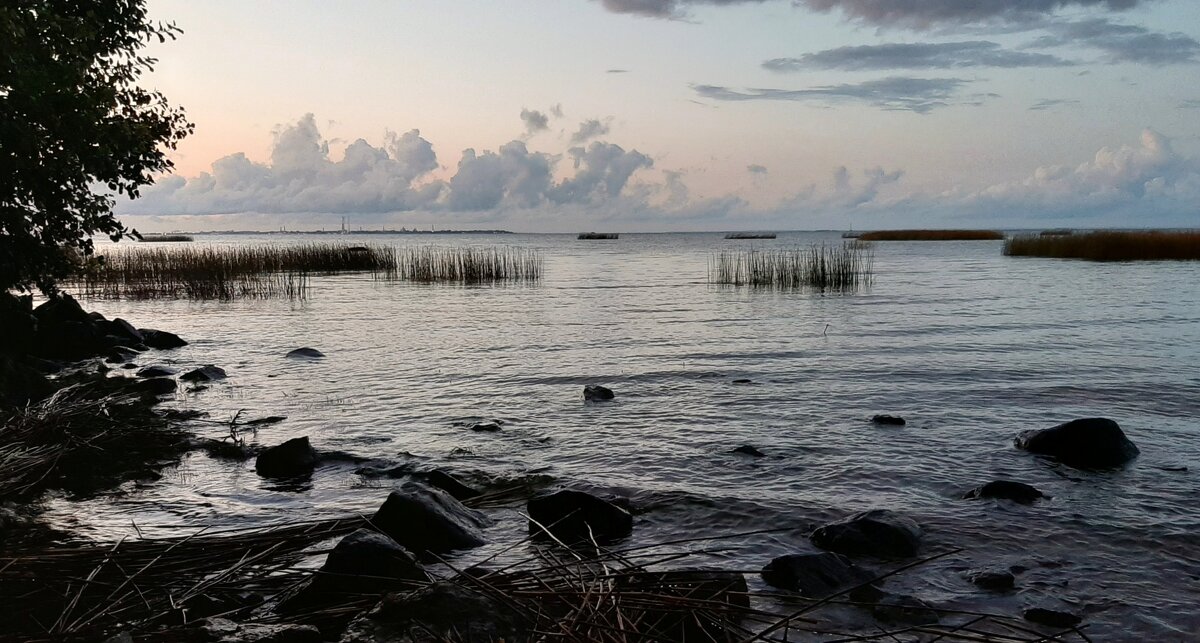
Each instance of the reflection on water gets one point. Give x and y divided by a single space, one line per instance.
970 346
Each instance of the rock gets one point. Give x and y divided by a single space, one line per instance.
746 449
125 330
909 610
486 427
120 355
722 593
742 381
21 384
575 516
364 562
160 339
597 393
293 458
18 322
996 580
442 611
305 353
60 310
1051 618
1006 489
1089 443
155 386
814 575
892 420
450 485
879 533
156 371
424 520
206 373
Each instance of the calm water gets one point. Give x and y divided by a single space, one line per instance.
970 346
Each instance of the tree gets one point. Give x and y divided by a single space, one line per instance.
75 130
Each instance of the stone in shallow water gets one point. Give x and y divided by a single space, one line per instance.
575 516
305 353
1089 443
749 450
206 373
156 371
891 420
597 393
879 533
1052 617
160 339
293 458
425 520
1006 489
996 580
814 575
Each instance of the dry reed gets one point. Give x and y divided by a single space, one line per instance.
164 238
1109 246
464 265
845 267
750 235
932 235
598 235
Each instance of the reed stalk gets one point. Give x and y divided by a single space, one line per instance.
845 267
932 235
1109 246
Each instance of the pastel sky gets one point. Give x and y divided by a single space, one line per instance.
566 115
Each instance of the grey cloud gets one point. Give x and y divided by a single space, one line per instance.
922 14
1122 43
535 121
920 95
946 55
1048 103
588 130
848 194
665 8
616 71
602 170
755 168
557 111
511 177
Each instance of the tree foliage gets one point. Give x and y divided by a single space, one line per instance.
75 129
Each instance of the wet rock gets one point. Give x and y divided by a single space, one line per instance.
61 310
908 610
155 386
1089 443
156 371
270 419
723 594
1018 492
21 384
814 575
161 339
220 630
996 580
742 381
293 458
450 485
305 353
1051 617
597 393
879 533
890 420
442 611
206 373
424 520
364 562
125 331
486 427
119 355
746 449
575 516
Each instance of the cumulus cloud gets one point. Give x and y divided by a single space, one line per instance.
755 168
920 95
945 55
534 121
588 130
602 170
1122 43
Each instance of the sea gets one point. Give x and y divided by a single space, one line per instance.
968 345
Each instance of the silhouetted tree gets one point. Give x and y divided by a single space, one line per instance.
75 129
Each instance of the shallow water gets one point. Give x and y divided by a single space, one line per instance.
968 345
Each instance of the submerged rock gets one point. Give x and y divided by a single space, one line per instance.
814 575
450 485
486 427
206 373
120 355
597 393
442 611
575 516
996 580
1006 489
156 371
161 339
305 353
425 520
1089 443
155 386
746 449
891 420
293 458
879 533
1052 618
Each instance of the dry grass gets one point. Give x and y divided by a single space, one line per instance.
932 235
750 235
598 235
1109 246
845 267
465 265
164 238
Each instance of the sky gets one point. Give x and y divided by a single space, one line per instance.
662 115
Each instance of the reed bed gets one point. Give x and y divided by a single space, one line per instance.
932 235
598 235
165 238
1057 232
750 235
1109 246
464 265
845 267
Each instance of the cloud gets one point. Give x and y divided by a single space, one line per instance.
946 55
1189 103
616 71
1122 43
535 121
588 130
755 168
920 95
512 177
1048 103
602 170
923 14
673 9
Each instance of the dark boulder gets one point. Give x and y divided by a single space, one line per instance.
291 459
305 353
61 310
155 386
367 562
124 330
486 427
425 520
749 450
18 322
890 420
443 611
156 371
119 355
575 516
814 575
1007 490
1089 443
597 393
996 580
1052 618
879 533
206 373
450 485
20 384
161 339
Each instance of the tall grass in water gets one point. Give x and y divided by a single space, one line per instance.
163 238
467 265
932 235
598 235
1109 246
845 267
